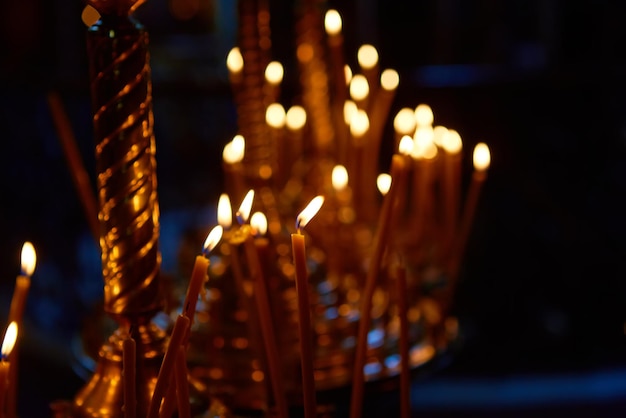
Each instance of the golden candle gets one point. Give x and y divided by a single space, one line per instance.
304 313
274 73
182 383
452 146
167 366
367 57
403 342
398 171
129 376
233 154
10 338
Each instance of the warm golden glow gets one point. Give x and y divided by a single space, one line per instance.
332 22
359 88
309 212
405 147
423 136
274 72
213 239
389 79
347 72
439 134
224 211
423 115
404 122
304 52
383 182
234 151
451 142
359 124
90 15
349 110
339 177
295 118
243 213
258 222
10 337
482 157
430 151
29 259
275 115
367 56
234 60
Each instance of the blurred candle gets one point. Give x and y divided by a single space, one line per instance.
181 374
304 314
423 115
452 147
129 376
276 118
367 57
295 119
359 91
232 156
403 124
10 338
274 73
403 344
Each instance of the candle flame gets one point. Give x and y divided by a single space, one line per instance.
234 60
404 123
309 212
90 15
389 79
451 142
347 72
423 115
383 181
258 222
332 22
243 213
482 157
405 147
339 177
367 56
212 239
29 259
224 211
359 88
274 72
439 133
10 336
295 118
359 123
349 109
234 151
275 115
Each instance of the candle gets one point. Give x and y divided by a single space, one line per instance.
452 146
367 57
232 155
16 311
274 73
403 342
423 115
295 119
398 171
379 107
10 337
304 314
129 359
275 117
403 124
167 366
182 383
259 223
359 91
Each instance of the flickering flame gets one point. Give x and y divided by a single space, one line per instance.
439 133
275 115
349 110
482 157
258 222
309 212
426 150
359 88
243 213
332 22
90 15
359 124
29 259
383 182
295 118
224 211
404 122
389 79
234 150
405 147
423 115
212 239
274 72
339 177
451 142
347 71
367 56
234 60
10 336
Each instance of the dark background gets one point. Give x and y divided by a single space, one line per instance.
542 300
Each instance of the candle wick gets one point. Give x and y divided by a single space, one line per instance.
205 252
239 217
298 222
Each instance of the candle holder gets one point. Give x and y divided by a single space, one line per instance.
121 94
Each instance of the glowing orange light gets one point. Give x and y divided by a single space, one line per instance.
332 22
295 118
349 109
451 142
224 211
389 79
347 72
359 123
258 222
404 122
234 60
405 147
482 157
243 213
367 56
309 212
213 239
274 72
339 177
439 134
234 151
383 182
359 88
423 115
10 337
90 15
29 259
275 115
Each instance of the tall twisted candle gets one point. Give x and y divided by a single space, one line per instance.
304 314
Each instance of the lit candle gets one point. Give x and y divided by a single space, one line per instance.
10 337
403 124
167 366
379 107
274 73
423 115
403 342
275 117
367 57
16 312
129 376
182 383
295 119
482 160
359 91
258 223
232 155
452 146
234 63
424 154
398 171
304 314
